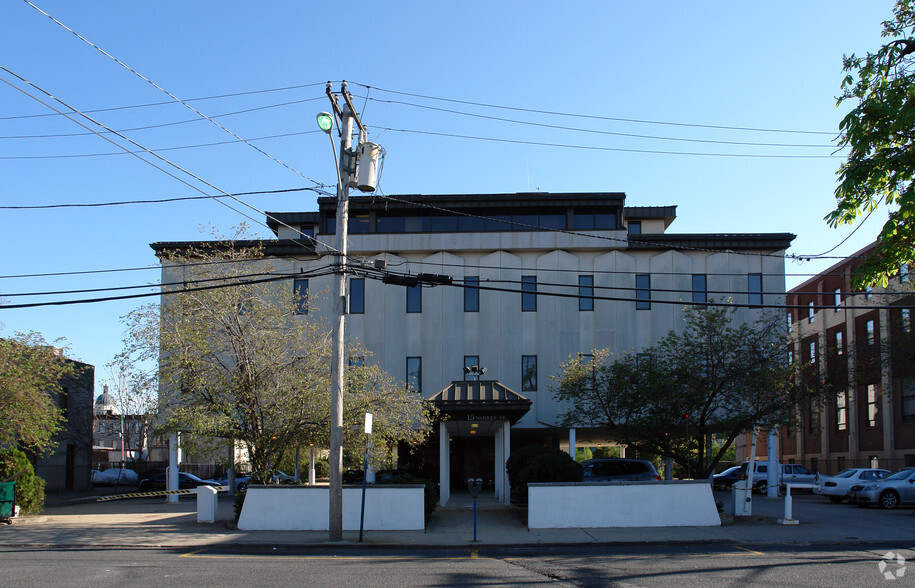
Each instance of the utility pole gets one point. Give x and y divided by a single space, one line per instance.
346 169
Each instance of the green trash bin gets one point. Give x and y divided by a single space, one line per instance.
7 500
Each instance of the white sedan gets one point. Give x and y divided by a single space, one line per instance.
836 487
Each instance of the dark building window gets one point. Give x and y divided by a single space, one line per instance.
528 373
585 292
529 293
754 289
414 298
472 294
357 295
642 292
908 399
635 227
415 374
300 291
699 288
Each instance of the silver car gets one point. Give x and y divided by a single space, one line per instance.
836 487
890 492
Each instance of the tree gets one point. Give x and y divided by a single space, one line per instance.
880 131
135 396
237 363
30 377
713 378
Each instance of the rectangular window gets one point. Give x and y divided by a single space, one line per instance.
585 292
472 294
908 399
415 374
357 295
528 293
790 356
812 350
839 349
904 273
300 294
842 411
813 416
837 295
528 373
307 232
868 292
754 289
414 298
869 332
642 292
699 288
810 312
790 322
906 320
871 405
635 227
471 368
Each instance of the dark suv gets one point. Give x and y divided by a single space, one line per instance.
619 470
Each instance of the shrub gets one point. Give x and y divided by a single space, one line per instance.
29 489
238 502
539 464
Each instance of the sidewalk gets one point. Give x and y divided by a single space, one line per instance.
151 522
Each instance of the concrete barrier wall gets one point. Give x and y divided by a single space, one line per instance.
636 504
392 507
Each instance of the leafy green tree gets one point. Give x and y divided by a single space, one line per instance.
237 363
29 488
30 378
713 378
880 132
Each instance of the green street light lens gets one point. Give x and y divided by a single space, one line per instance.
325 121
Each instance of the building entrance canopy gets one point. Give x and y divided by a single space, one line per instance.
478 409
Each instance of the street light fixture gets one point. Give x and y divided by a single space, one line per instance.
325 121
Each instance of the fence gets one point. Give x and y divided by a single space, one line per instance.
146 469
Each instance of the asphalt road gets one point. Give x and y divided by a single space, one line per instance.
709 565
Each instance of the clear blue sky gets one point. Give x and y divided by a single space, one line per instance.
763 65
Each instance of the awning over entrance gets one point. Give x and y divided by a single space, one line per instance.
485 400
471 411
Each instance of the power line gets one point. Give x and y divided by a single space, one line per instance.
598 131
598 148
158 200
595 117
131 141
150 294
178 148
168 102
183 283
162 125
172 96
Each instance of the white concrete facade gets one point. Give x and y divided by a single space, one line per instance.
499 333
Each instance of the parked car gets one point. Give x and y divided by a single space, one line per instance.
394 477
786 473
890 492
115 477
282 478
185 481
726 479
619 470
353 476
241 482
836 487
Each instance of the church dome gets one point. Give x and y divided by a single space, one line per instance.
104 404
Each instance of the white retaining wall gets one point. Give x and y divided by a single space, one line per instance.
392 507
636 504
